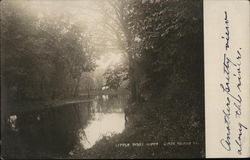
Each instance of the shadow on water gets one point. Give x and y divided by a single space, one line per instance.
54 132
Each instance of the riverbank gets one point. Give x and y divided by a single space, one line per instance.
142 138
131 144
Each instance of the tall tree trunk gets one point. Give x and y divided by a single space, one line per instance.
132 80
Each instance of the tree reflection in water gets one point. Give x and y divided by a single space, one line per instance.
55 132
103 124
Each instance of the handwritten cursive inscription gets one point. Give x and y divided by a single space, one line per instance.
227 33
238 141
232 87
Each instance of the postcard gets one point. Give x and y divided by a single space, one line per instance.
125 79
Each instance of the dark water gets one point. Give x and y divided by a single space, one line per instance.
55 132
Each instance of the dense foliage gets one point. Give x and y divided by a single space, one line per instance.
43 57
163 41
116 75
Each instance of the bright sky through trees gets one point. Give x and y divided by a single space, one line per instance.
84 12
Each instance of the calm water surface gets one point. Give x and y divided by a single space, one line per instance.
58 131
107 119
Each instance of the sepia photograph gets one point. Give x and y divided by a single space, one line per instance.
95 79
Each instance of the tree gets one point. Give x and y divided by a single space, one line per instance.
44 57
116 13
163 41
116 75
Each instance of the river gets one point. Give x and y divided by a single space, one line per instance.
55 132
106 119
